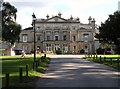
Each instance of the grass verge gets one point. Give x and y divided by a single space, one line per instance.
112 63
11 65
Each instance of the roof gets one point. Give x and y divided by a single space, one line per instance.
57 19
29 28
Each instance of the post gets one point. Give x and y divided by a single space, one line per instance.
100 59
94 56
104 59
118 62
36 64
33 23
34 43
110 61
91 54
44 56
33 66
20 74
26 70
7 79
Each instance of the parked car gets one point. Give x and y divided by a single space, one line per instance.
18 51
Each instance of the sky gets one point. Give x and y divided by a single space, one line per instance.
98 9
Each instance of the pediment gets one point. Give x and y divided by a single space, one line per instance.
56 19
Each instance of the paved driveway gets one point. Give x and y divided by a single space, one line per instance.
74 71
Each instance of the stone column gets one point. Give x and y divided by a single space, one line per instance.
61 35
44 36
52 36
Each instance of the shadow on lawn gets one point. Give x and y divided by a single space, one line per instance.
14 82
17 58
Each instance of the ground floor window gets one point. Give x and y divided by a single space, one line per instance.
56 46
25 47
65 48
86 49
74 48
48 47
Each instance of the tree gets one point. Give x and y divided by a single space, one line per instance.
109 31
10 28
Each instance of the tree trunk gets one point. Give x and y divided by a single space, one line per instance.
9 50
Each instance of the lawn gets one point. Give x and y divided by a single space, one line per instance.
112 63
11 65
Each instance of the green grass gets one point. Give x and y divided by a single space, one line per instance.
11 65
108 61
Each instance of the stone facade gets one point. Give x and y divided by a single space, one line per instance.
56 32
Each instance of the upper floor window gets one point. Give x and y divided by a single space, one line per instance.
56 37
38 37
48 37
25 37
86 36
74 38
64 37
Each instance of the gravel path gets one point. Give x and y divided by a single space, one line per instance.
74 71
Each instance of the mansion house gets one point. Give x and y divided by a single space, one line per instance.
55 32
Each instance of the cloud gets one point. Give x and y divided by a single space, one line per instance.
29 4
98 9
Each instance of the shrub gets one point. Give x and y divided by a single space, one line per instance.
58 51
82 51
100 51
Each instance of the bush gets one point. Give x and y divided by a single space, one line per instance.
100 51
107 51
82 51
69 52
58 51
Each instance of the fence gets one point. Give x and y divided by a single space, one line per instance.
34 67
104 60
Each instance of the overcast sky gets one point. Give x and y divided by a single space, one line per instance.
98 9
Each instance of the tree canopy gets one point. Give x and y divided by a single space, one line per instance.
109 31
10 28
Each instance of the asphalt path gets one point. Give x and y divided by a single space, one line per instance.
74 71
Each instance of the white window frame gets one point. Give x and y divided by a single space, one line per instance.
48 47
66 49
25 37
56 46
86 36
25 47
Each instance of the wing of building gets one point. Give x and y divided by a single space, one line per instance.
56 32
